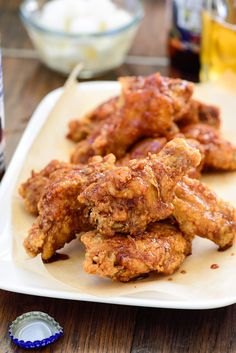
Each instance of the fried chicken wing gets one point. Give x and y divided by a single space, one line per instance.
126 199
32 190
219 153
80 129
161 248
143 148
199 211
147 107
199 112
154 145
60 217
195 172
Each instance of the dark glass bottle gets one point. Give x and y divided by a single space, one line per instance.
185 35
2 142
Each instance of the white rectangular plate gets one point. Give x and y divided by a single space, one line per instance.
19 279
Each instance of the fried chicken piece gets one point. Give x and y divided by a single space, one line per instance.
199 112
199 211
60 216
154 145
82 152
143 148
146 108
195 172
219 153
172 132
126 199
80 129
179 91
32 190
161 248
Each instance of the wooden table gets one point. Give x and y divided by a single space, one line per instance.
93 327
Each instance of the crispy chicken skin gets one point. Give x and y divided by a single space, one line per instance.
146 108
199 211
80 129
126 199
143 148
179 91
199 112
219 153
32 190
195 172
161 248
60 217
154 145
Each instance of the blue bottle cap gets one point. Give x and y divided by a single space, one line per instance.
34 329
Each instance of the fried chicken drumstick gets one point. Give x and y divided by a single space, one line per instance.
161 248
60 217
146 107
126 199
199 211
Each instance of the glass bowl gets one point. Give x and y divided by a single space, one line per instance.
98 52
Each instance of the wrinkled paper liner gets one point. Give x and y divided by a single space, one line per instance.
199 281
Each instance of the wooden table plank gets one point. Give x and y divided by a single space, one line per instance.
181 331
26 82
91 327
88 327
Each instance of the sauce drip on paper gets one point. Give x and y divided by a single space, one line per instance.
56 257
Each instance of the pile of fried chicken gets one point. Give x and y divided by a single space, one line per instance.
131 191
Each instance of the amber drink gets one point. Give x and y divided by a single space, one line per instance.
218 50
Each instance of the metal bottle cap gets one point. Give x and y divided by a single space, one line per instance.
34 329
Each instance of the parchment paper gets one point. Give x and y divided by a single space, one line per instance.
199 281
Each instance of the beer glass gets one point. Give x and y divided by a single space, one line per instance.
218 48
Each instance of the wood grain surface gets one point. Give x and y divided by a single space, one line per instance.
91 327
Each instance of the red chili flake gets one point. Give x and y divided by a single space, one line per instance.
214 266
170 279
183 272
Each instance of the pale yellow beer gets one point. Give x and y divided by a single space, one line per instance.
218 49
